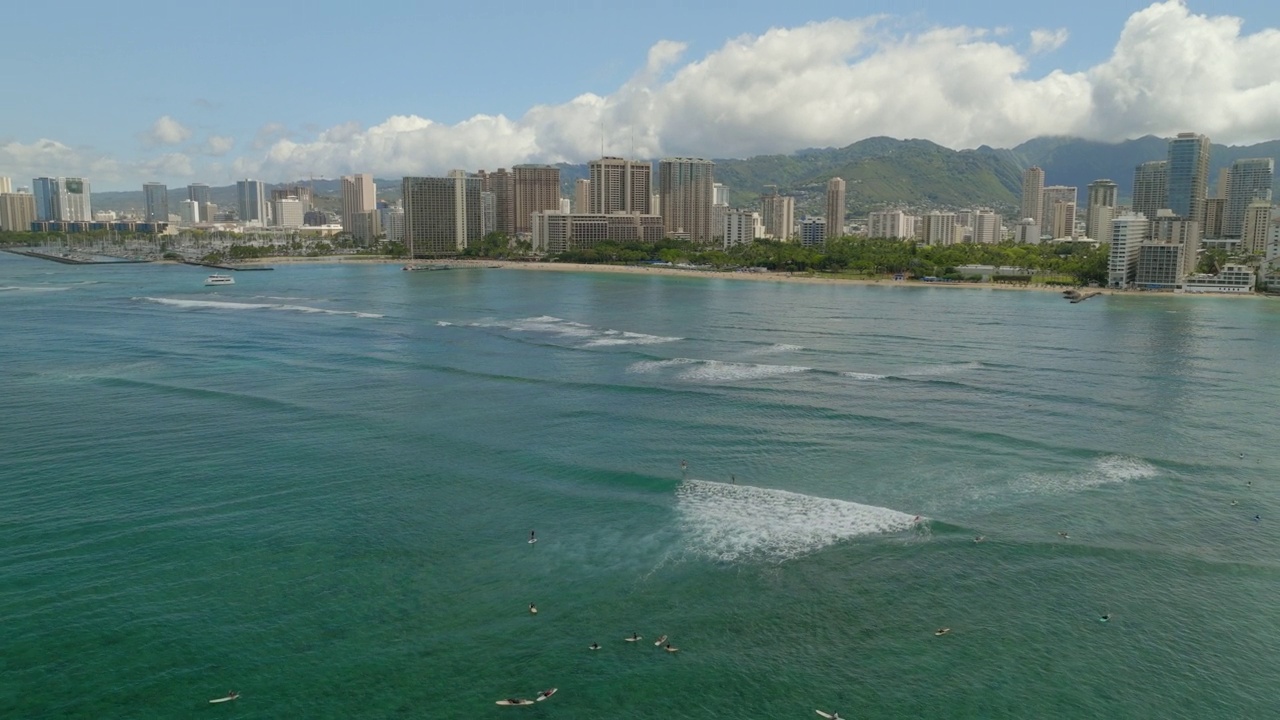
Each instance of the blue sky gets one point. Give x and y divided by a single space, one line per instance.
211 92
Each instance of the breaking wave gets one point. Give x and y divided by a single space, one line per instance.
740 523
1109 470
225 305
559 327
714 370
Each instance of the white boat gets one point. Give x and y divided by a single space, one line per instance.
216 279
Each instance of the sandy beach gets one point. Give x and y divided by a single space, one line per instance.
811 278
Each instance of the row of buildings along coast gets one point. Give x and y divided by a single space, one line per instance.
1157 240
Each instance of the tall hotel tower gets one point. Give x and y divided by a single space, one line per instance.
835 208
441 214
1033 194
1188 179
537 189
685 191
1250 180
1149 180
619 186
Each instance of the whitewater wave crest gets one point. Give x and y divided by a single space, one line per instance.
1109 470
227 305
733 523
559 327
714 370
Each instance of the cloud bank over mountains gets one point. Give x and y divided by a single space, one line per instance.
822 84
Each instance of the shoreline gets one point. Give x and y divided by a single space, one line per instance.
668 271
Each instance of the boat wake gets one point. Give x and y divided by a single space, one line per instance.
559 327
714 370
225 305
731 523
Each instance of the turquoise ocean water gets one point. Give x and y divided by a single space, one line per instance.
315 487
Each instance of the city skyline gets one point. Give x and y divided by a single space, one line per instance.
672 87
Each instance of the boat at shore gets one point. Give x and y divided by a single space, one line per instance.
414 268
219 279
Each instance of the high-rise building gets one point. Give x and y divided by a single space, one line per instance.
188 212
941 228
1128 233
537 189
1101 218
64 198
1215 210
1224 183
199 192
1149 181
581 195
441 214
1059 212
251 201
1026 232
503 186
778 212
391 220
741 227
685 187
619 185
298 191
1257 220
835 207
719 194
157 202
719 216
17 212
47 193
556 232
488 214
891 224
1170 229
359 207
6 185
1032 194
987 227
1251 180
288 212
1188 176
1102 193
813 232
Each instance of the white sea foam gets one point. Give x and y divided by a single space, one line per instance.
1109 470
776 348
740 522
863 376
442 323
713 370
937 370
27 288
226 305
559 327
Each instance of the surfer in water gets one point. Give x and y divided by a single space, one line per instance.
1064 535
533 536
594 646
1257 518
980 538
942 631
733 479
1105 618
547 693
635 635
533 608
684 466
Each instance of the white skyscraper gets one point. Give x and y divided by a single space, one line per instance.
891 224
741 227
1128 233
189 212
359 207
813 232
987 227
6 186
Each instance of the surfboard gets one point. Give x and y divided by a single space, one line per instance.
672 649
533 540
593 647
515 702
660 640
533 611
633 639
228 698
825 714
547 694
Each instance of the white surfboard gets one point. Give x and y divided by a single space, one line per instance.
544 695
514 702
228 698
660 640
533 540
633 639
829 716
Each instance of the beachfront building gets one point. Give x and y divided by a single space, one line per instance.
537 189
488 214
941 228
557 232
778 212
359 207
1102 197
1187 179
988 227
618 186
741 227
1215 210
1159 266
391 220
1128 233
1257 221
835 207
893 224
441 214
1231 278
502 184
17 211
813 232
582 195
685 186
1250 181
1033 194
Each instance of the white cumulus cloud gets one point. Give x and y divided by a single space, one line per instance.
218 145
167 131
1043 41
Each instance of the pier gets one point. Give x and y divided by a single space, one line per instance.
67 259
233 268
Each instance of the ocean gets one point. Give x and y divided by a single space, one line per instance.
315 487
